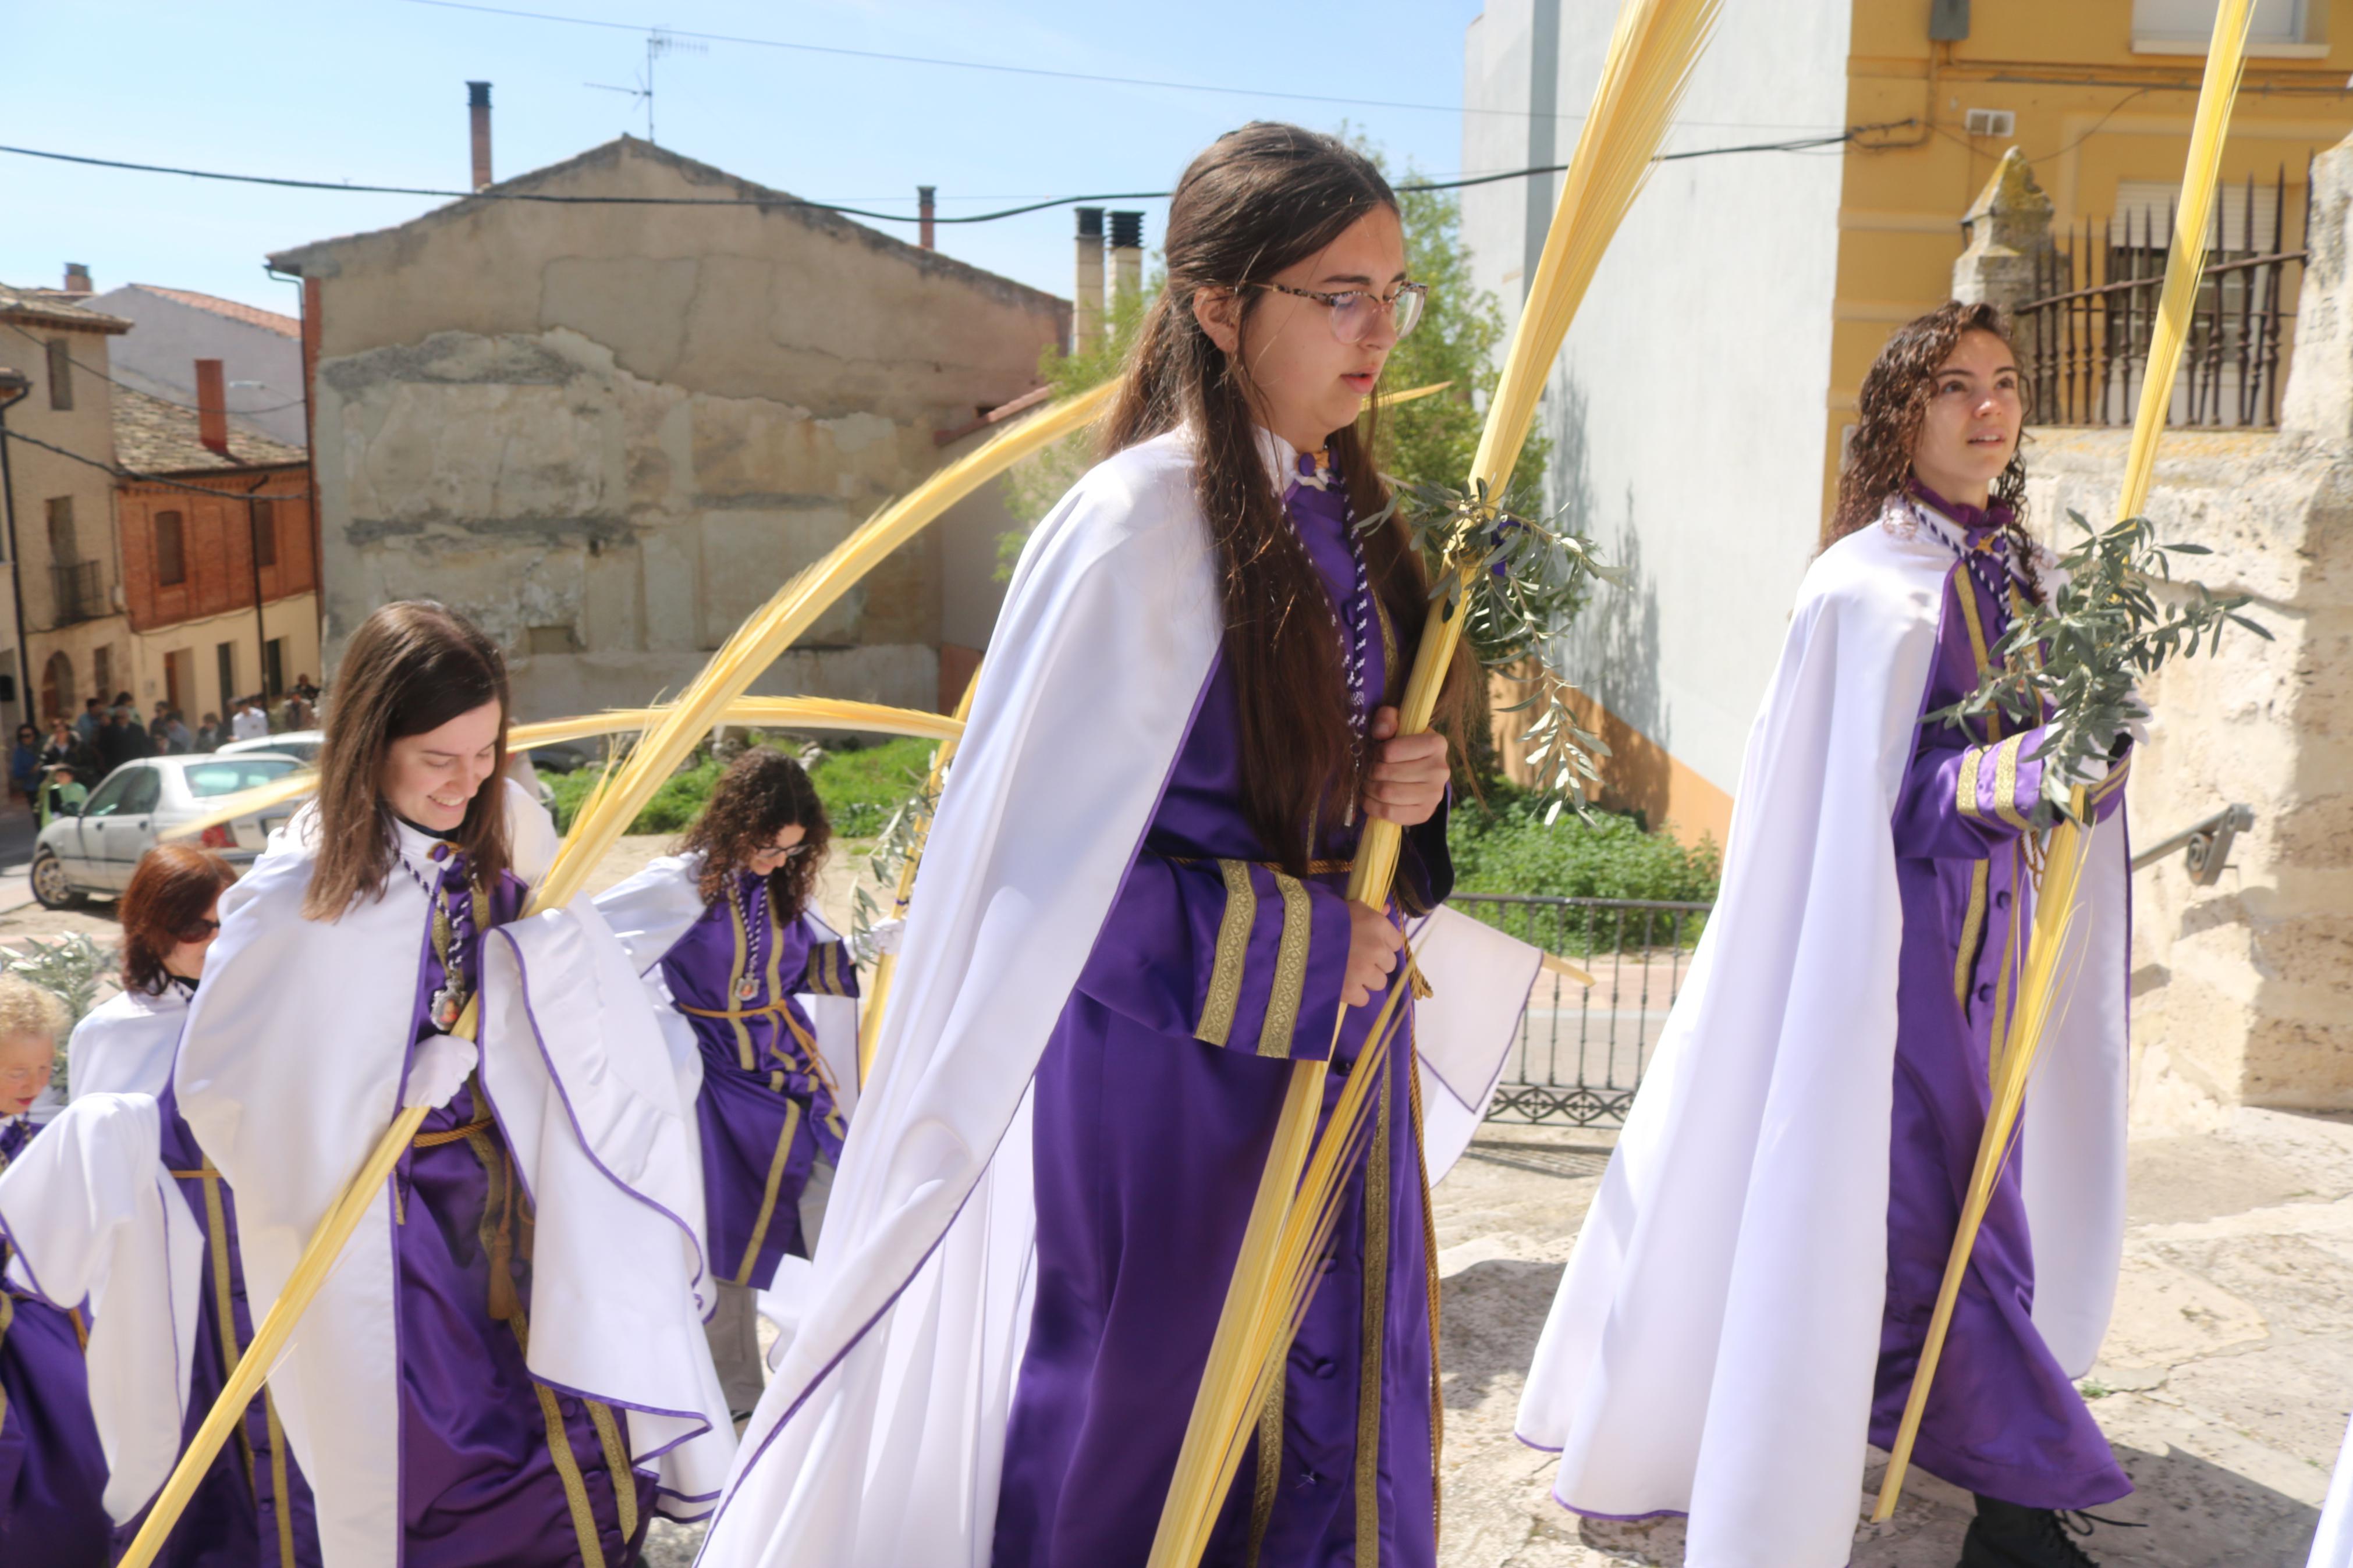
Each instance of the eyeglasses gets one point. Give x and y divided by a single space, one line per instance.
198 931
770 852
1354 310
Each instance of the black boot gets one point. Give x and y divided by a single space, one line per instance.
2004 1535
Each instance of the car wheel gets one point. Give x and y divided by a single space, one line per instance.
49 884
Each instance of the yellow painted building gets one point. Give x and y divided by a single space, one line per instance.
1696 411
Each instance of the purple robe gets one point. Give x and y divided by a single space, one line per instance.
498 1470
52 1471
236 1518
2003 1419
1156 1103
767 1110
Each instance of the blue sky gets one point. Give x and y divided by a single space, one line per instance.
373 91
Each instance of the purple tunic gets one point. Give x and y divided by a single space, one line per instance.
498 1470
236 1517
1155 1104
52 1471
2002 1418
767 1111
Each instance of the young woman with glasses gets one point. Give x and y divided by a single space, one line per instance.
1130 921
765 986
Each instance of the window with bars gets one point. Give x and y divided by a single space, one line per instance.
171 549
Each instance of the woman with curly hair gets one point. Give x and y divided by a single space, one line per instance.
170 915
767 990
1750 1299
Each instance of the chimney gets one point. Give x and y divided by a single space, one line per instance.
477 107
212 406
1087 302
1126 253
924 208
76 278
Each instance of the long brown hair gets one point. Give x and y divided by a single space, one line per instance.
1259 200
171 892
410 669
1894 405
762 793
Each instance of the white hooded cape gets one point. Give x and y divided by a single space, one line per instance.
95 1223
1713 1346
292 1068
880 1441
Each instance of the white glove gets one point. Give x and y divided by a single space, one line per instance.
881 937
440 1070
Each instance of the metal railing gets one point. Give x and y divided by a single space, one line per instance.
2087 337
77 590
1581 1050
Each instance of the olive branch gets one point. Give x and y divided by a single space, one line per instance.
2080 658
1517 584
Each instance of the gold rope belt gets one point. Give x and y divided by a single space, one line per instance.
770 1011
453 1134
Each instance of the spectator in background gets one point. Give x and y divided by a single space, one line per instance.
59 747
87 726
248 723
62 796
140 743
209 733
160 722
25 764
308 690
113 742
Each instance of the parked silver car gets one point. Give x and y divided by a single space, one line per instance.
96 849
304 744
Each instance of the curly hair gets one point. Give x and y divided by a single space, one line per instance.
29 1009
1894 405
762 793
171 892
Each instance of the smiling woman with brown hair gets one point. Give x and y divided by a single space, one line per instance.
1754 1284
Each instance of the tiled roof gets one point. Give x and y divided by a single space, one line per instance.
53 308
152 437
251 315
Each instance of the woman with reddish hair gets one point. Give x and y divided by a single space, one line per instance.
253 1499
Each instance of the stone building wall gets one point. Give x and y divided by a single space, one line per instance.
2242 991
609 433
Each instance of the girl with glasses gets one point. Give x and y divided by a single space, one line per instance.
1130 921
170 914
766 991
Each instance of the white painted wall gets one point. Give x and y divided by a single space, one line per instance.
1686 411
159 356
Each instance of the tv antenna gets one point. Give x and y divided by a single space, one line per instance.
658 44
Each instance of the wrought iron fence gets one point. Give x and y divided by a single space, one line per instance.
2087 336
1581 1050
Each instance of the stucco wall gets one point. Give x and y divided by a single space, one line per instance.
1684 411
609 437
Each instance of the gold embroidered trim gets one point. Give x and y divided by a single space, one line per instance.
1967 594
280 1506
2005 783
735 978
616 1464
567 1469
1430 1287
2114 780
1966 794
1217 1025
1270 1464
224 1300
1290 968
1965 962
768 1197
1374 1338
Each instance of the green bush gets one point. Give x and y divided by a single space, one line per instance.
860 788
1504 847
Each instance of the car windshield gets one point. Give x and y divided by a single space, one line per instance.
226 775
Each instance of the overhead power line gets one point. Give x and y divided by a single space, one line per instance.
135 477
493 193
40 342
